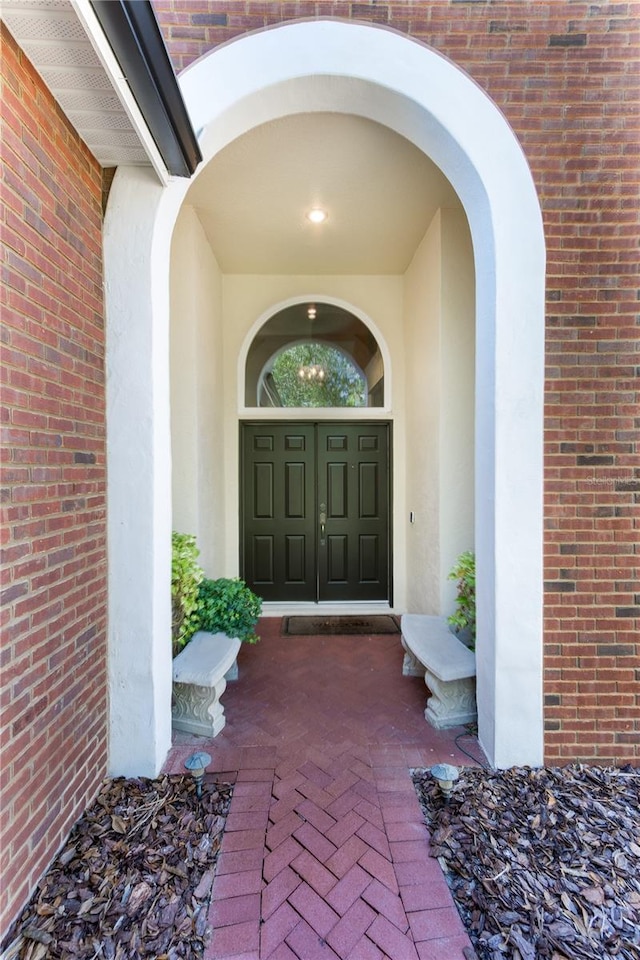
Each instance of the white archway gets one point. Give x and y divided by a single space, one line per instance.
326 65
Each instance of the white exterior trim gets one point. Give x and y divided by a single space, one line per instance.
352 68
120 84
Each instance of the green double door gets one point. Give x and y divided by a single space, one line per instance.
315 512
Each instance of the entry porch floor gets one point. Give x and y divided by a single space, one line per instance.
325 854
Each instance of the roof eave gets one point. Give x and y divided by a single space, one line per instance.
132 31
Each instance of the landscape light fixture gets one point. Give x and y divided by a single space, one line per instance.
445 774
196 764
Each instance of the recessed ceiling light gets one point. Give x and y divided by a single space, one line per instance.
316 215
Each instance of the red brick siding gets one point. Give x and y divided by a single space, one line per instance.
53 691
565 75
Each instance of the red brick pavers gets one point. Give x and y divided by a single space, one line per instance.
325 853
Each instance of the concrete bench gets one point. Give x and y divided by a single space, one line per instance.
448 667
199 681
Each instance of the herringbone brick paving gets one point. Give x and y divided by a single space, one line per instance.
325 853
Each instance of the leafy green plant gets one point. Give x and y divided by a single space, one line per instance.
342 386
186 575
229 606
464 617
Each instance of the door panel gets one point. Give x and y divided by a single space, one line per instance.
316 511
337 559
353 483
263 492
278 468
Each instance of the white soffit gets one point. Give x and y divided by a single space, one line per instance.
52 35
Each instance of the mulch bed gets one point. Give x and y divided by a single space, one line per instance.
134 879
543 864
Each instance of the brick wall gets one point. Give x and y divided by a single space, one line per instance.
565 75
53 691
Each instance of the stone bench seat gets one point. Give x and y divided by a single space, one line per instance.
199 680
448 667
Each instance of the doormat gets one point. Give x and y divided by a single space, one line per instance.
331 626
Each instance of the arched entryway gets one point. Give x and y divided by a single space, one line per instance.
373 73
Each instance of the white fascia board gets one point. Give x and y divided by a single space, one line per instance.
119 82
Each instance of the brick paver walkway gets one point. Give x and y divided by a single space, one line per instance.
325 854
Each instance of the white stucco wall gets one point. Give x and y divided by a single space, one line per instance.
138 477
185 251
439 318
457 399
196 365
422 319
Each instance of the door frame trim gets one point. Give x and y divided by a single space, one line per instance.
314 421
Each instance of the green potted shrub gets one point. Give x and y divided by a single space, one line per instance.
186 575
227 605
463 620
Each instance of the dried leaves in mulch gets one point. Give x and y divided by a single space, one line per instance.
134 879
543 864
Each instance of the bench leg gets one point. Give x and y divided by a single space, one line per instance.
198 709
410 666
452 703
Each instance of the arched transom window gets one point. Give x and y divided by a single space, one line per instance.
314 355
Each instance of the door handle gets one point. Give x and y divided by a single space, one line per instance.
323 520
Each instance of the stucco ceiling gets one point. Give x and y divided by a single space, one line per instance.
380 193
